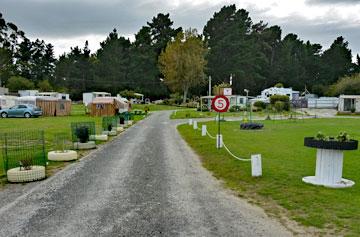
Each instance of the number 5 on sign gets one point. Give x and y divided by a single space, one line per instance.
220 103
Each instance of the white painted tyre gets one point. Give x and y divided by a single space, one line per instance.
16 176
62 155
110 133
101 137
84 146
120 129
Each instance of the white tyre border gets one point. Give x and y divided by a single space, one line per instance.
101 137
16 176
84 146
62 155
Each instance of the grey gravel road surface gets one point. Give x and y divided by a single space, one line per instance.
146 182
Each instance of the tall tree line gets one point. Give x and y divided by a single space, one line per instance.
255 54
21 57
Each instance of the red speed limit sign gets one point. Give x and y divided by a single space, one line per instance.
220 103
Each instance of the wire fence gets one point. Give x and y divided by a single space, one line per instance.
62 142
82 130
23 148
110 122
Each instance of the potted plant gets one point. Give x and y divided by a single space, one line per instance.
82 134
61 150
340 142
329 159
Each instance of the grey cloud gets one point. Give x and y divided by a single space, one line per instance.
322 32
52 19
326 2
39 18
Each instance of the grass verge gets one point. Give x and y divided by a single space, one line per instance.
285 162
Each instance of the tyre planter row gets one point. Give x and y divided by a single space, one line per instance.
68 155
16 175
85 145
329 162
110 133
102 137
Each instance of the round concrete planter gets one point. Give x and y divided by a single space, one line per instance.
84 146
110 133
16 175
331 145
62 155
119 129
329 162
99 137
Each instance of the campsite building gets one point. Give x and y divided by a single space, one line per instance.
347 103
50 106
88 97
107 106
267 93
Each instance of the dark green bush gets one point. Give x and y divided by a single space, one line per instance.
235 108
83 134
260 104
282 98
204 108
279 106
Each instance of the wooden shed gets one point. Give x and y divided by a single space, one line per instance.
105 106
50 106
54 106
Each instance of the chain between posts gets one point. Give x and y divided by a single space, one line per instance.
226 148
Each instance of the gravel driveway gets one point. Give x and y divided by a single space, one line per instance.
146 182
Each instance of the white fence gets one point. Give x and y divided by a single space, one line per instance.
323 103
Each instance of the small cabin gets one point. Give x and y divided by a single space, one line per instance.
105 106
349 103
50 106
88 97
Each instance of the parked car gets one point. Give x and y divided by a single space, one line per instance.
22 110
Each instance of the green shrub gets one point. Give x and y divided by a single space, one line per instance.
83 134
235 108
204 108
279 106
280 98
260 104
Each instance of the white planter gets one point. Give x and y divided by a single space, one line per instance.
328 173
62 155
130 122
84 146
119 129
110 133
99 137
16 176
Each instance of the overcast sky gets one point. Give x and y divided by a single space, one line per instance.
67 23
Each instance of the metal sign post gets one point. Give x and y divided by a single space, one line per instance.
220 104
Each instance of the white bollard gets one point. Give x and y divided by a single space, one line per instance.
190 121
203 130
219 141
195 126
256 169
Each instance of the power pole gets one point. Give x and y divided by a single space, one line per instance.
209 85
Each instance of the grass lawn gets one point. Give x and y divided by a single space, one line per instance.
285 161
154 107
184 114
51 126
